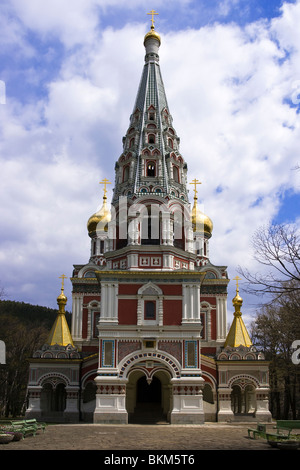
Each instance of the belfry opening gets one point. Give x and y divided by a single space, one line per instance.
149 307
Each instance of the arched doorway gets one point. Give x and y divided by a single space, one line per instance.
243 399
53 400
148 392
148 398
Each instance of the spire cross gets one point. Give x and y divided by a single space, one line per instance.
237 279
152 12
195 182
105 182
63 277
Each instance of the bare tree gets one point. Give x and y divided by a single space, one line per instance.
276 247
275 328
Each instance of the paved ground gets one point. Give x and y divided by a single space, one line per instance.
111 438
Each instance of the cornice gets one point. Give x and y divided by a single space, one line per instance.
173 275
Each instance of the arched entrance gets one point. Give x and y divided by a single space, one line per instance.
243 399
148 392
148 397
53 400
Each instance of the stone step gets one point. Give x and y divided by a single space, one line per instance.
147 414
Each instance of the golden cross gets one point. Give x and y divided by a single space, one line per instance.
105 182
237 279
152 12
63 277
195 182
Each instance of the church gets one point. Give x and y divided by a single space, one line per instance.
148 340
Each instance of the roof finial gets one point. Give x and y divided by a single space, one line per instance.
62 299
60 333
152 12
105 182
63 277
237 279
238 334
195 182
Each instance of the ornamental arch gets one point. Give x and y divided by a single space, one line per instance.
148 393
243 397
53 395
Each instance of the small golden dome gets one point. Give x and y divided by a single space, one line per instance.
62 298
200 221
99 220
152 34
237 302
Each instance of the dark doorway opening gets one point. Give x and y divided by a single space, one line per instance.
148 393
148 408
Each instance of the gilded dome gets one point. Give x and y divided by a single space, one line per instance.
200 221
99 220
152 34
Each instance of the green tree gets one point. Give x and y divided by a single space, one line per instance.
21 341
275 329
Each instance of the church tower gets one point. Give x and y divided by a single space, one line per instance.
152 313
149 308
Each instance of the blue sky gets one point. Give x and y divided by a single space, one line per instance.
71 70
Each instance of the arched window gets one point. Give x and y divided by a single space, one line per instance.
151 139
176 173
151 169
126 173
150 227
149 311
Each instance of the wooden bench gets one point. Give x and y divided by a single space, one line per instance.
289 424
259 431
27 426
284 429
33 422
23 428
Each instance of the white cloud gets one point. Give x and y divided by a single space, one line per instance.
72 22
226 87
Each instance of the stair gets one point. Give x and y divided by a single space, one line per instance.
241 417
148 413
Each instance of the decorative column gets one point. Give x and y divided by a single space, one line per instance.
34 410
110 401
71 412
225 412
187 401
262 404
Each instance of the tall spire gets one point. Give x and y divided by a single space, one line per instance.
238 334
60 332
151 161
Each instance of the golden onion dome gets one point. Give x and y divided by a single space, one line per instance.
99 220
152 34
200 221
237 302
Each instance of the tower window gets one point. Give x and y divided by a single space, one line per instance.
150 310
176 174
150 169
96 317
151 139
126 173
